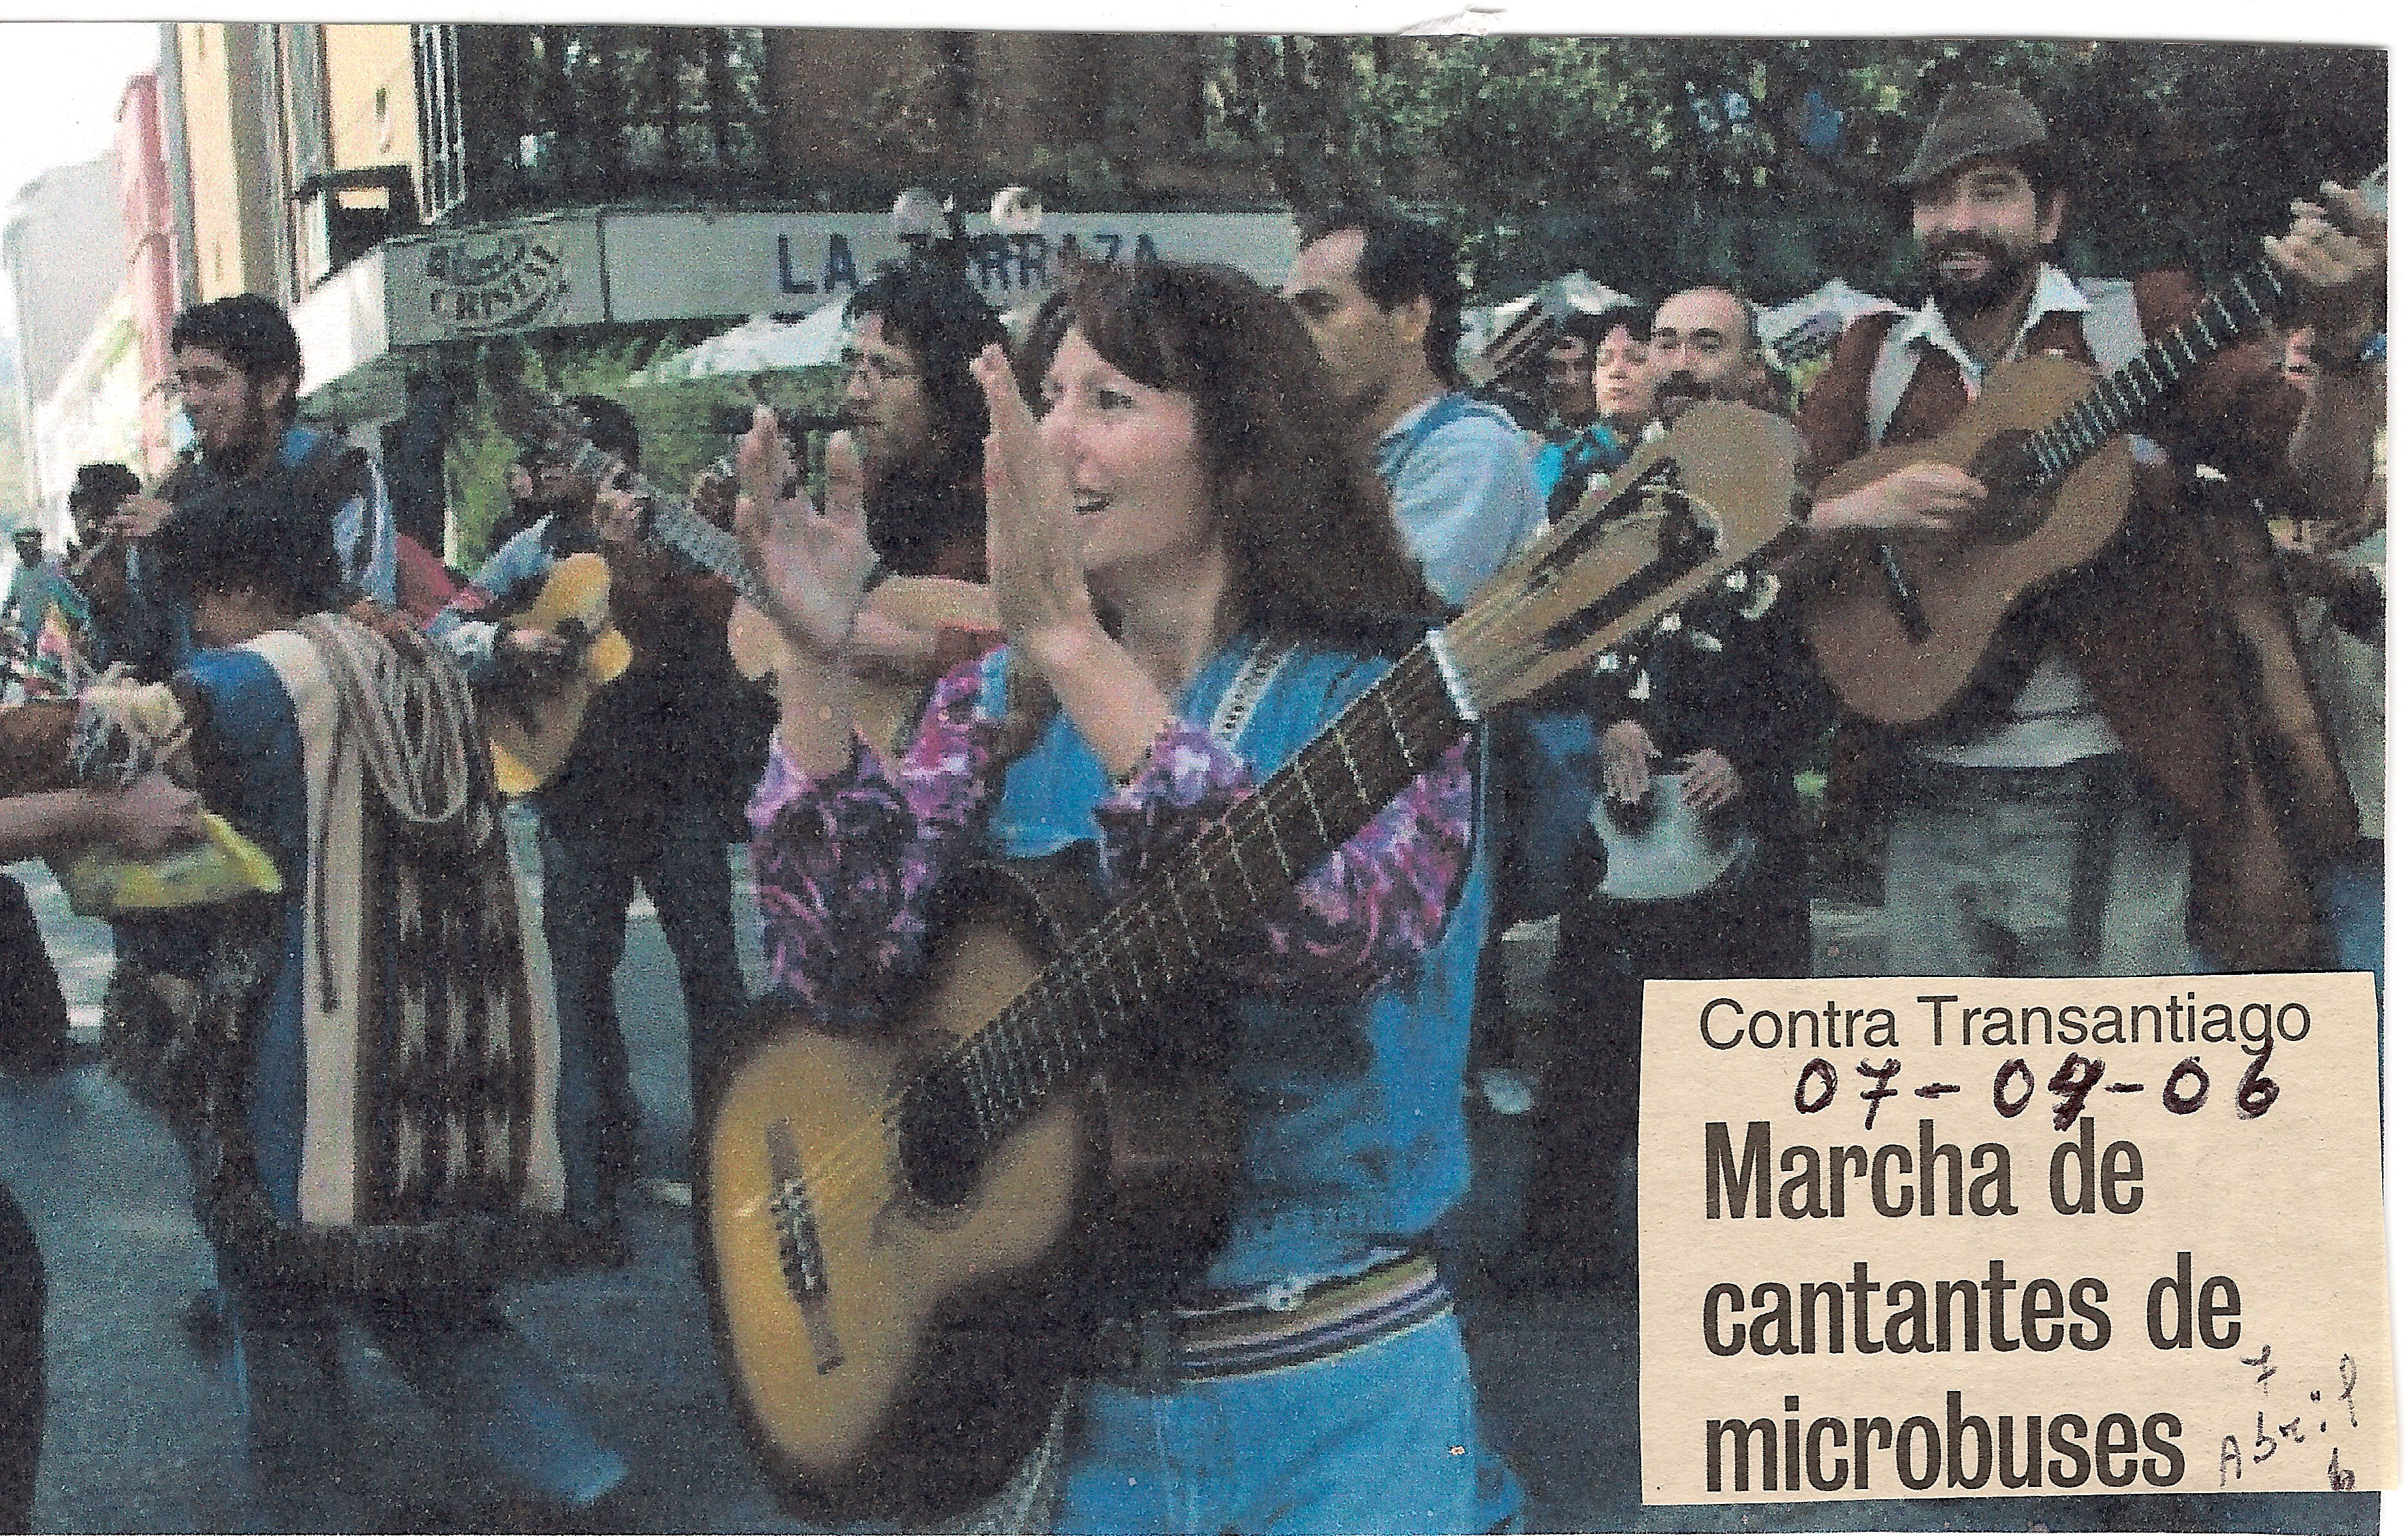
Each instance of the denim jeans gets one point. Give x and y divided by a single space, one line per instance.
589 880
1378 1439
2350 891
492 1396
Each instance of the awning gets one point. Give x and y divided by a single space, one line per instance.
764 344
604 266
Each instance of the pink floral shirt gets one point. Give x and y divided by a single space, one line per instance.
844 864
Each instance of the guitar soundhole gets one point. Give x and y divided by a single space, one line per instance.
2011 512
937 1138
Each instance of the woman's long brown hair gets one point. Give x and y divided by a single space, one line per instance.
1315 548
1315 552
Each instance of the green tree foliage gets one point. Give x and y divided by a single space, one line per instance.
1653 160
674 423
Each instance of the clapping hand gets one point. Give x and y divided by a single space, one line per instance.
2338 249
1033 543
813 564
1628 755
1708 780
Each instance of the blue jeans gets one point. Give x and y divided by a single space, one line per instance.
492 1396
589 881
1378 1439
2351 894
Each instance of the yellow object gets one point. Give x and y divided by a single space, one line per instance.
533 732
222 865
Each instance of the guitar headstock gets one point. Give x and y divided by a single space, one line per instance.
548 427
1714 492
1513 346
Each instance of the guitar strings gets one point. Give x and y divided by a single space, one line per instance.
1424 701
1421 698
838 1173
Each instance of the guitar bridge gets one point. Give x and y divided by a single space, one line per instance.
800 1260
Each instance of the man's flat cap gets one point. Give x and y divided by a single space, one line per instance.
1974 122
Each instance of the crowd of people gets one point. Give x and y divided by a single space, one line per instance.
1123 567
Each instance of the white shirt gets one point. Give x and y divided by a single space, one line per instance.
2055 721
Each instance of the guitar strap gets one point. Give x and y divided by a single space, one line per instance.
1245 693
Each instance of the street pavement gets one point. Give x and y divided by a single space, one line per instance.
140 1435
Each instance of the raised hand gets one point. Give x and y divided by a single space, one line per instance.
1629 755
813 565
139 517
2339 249
1032 537
1709 781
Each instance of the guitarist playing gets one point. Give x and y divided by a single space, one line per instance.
651 791
2109 798
1194 571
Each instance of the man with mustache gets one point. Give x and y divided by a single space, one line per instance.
2114 810
1706 346
916 419
1710 715
1381 297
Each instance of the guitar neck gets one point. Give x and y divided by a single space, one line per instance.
2230 312
678 526
1114 974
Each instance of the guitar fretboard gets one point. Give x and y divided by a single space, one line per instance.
1061 1024
675 524
2120 399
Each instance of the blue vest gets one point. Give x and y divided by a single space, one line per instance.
1353 1133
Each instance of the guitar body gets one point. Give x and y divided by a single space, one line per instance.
927 1363
533 724
1969 582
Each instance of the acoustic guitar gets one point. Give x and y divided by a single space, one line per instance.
534 728
906 1235
1902 631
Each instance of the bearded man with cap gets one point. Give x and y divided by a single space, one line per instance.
2117 813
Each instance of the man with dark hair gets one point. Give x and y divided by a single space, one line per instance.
652 790
1381 297
2132 758
99 489
237 367
917 419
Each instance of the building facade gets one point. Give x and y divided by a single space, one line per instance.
149 290
63 252
410 192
